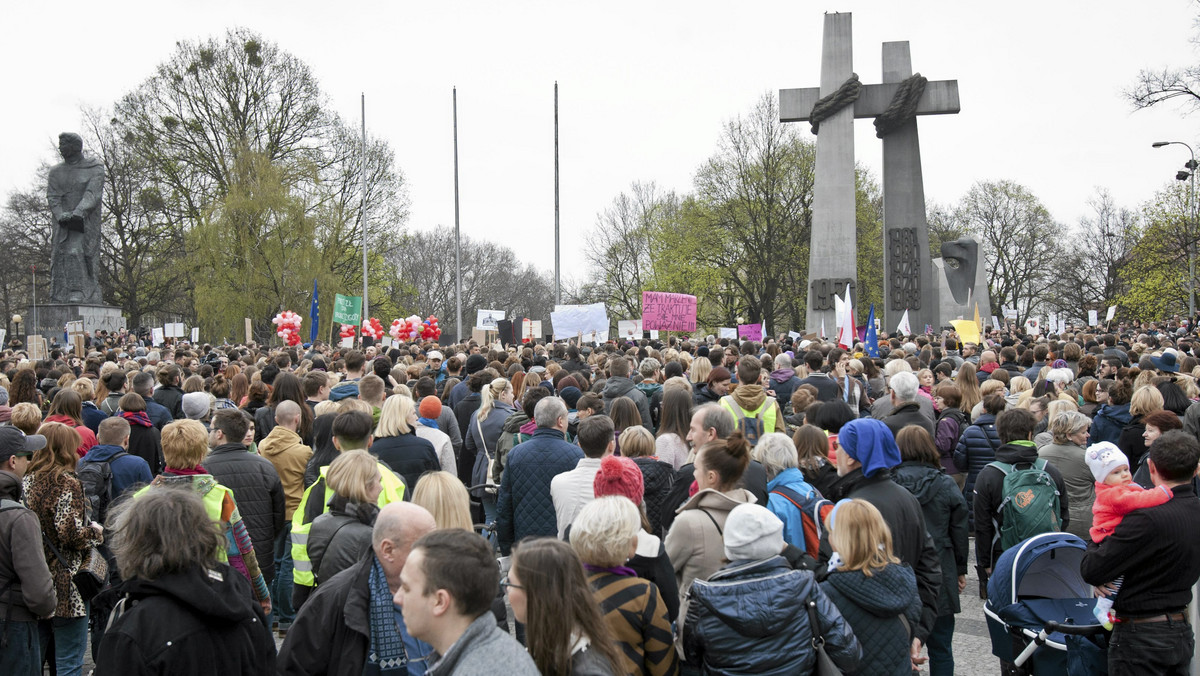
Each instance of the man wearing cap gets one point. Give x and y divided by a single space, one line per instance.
436 369
28 589
866 454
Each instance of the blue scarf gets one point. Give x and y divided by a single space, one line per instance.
431 423
386 654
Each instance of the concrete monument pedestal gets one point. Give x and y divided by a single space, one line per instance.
51 318
961 285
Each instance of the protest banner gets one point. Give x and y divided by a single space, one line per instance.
156 336
485 320
1093 317
1112 312
727 332
195 334
750 331
249 332
589 321
968 330
668 311
347 309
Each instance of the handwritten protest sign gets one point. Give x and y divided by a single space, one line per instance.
750 331
727 332
668 311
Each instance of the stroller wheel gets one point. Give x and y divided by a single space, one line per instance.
1009 669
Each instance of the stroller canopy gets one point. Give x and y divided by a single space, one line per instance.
1044 566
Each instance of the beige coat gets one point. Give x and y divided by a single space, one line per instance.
290 456
694 544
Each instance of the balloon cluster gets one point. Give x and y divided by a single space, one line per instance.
373 328
430 330
287 326
411 328
347 331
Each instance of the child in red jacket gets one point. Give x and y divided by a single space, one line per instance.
1116 496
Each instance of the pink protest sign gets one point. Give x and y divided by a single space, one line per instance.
750 331
668 311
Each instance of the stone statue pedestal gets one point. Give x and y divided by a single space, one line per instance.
949 308
51 318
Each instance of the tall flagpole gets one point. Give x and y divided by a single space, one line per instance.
363 214
457 241
557 284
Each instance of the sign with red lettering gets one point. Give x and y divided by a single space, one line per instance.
668 311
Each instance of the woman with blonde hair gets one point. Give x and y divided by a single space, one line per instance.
1069 440
698 373
91 414
55 494
989 387
1017 386
875 593
1146 400
968 387
605 535
185 445
397 444
340 537
638 444
446 499
484 428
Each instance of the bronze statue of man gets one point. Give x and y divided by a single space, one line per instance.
74 191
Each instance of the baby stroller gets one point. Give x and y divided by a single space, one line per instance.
1039 610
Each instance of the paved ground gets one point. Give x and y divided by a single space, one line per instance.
972 647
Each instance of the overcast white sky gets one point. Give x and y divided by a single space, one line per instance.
644 89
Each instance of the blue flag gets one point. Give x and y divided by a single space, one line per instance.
315 315
871 340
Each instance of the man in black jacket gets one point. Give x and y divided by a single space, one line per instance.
827 388
1160 564
332 630
1015 427
254 482
866 454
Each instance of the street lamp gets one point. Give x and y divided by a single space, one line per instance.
1189 175
16 319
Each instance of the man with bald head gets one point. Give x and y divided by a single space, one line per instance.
350 625
284 448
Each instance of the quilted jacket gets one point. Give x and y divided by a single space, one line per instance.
657 478
259 495
751 618
946 520
976 448
873 607
408 455
525 507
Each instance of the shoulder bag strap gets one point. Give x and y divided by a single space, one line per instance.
479 426
818 641
711 518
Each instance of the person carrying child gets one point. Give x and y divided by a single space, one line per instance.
1116 496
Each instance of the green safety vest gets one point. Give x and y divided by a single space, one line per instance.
213 500
302 572
766 409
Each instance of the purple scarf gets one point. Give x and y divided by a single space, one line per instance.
137 418
615 570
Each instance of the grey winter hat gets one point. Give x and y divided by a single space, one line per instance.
752 533
3 397
195 405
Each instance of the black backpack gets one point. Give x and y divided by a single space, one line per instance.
96 477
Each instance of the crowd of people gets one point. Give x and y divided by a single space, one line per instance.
676 507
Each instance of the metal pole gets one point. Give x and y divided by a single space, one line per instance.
33 289
1191 237
557 285
363 214
457 240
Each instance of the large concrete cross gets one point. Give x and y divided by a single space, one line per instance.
908 274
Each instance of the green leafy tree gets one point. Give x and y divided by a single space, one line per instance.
1156 270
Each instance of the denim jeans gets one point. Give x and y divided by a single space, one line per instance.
1151 648
23 654
490 512
281 586
70 642
941 657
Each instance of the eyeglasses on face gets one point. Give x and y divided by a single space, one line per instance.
506 585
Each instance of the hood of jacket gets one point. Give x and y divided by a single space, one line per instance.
749 397
648 389
783 375
886 593
6 413
919 479
60 418
212 594
1017 451
1118 412
344 390
705 393
102 453
711 498
618 386
10 486
529 427
514 422
229 448
277 441
760 598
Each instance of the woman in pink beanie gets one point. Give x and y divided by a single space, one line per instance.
621 476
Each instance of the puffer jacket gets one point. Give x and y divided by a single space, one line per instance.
657 478
524 506
408 455
873 607
788 513
976 448
616 387
950 425
696 541
945 513
751 618
1108 423
259 495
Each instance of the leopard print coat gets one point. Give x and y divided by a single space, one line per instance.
60 505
